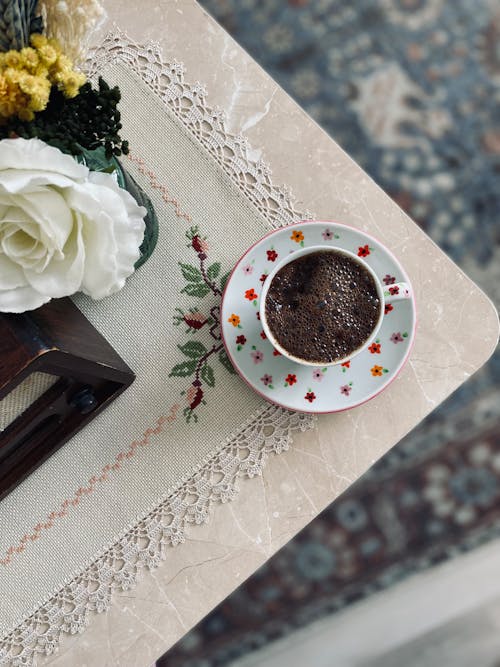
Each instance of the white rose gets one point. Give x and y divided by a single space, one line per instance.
63 228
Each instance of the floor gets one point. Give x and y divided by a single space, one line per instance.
398 627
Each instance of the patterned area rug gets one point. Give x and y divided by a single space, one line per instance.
411 89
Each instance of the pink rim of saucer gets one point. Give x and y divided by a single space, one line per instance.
403 361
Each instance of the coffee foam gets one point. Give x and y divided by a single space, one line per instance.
322 307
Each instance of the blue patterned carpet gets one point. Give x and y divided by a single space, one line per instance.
411 89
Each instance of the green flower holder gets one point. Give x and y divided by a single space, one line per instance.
96 160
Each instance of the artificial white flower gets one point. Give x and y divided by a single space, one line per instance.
63 228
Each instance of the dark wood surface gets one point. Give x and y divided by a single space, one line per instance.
56 339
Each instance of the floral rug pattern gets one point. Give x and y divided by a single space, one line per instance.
411 89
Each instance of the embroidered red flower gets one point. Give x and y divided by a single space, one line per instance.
251 294
263 277
291 379
394 290
240 340
198 397
198 244
195 320
263 335
363 251
388 308
374 348
272 255
310 396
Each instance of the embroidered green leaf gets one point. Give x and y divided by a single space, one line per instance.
213 271
196 289
224 279
191 273
193 349
224 359
183 370
207 375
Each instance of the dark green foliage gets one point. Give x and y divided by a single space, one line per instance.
89 120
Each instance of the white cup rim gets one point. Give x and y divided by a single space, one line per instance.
296 254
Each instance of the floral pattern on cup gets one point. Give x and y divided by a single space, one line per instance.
257 355
378 371
272 255
398 337
263 278
329 235
290 380
388 279
240 341
263 335
310 396
318 374
346 389
388 308
247 269
345 365
235 321
251 295
298 237
267 381
364 251
375 347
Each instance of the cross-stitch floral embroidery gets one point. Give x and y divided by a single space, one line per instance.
201 280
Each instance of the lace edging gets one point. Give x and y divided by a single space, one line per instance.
188 103
144 545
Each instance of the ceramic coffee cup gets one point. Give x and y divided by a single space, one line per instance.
385 295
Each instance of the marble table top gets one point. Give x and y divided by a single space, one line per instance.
457 332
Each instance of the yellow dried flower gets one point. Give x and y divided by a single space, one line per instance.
63 64
37 40
12 59
28 75
29 59
48 54
69 82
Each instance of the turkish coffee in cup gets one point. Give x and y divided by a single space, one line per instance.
322 307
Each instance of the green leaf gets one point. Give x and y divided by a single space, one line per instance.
191 273
224 359
207 375
198 289
193 349
224 279
213 271
183 370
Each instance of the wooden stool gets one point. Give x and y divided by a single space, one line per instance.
57 373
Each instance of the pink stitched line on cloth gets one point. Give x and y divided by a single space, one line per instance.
92 484
157 186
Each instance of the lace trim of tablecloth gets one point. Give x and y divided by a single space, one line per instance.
144 545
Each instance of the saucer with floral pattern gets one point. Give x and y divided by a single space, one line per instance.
305 388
